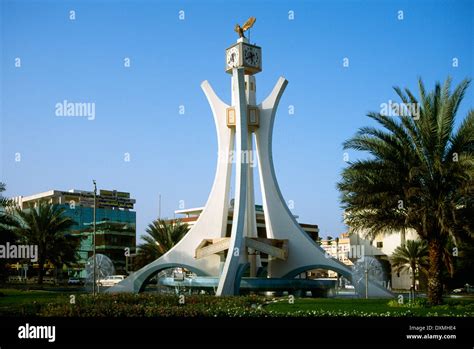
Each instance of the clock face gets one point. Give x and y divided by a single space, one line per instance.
251 56
232 57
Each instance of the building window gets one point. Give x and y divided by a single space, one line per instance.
379 244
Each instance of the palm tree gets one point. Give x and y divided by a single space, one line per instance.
7 220
420 174
329 240
319 240
7 225
47 227
162 236
413 255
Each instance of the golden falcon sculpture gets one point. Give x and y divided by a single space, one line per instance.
247 25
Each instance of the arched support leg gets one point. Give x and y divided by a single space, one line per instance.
280 222
212 223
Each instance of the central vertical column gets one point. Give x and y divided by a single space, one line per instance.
236 255
251 227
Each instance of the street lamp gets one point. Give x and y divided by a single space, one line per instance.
93 253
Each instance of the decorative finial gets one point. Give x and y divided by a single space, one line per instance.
247 25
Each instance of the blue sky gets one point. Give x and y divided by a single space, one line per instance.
137 108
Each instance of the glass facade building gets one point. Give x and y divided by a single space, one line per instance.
115 233
115 223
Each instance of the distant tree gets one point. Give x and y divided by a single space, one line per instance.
47 227
161 236
7 229
413 255
7 219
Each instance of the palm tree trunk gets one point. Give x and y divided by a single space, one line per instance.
435 286
41 271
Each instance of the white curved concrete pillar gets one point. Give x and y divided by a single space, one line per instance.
212 223
303 252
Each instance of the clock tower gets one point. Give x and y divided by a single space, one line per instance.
283 250
244 55
248 59
243 60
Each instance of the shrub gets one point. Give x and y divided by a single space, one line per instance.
146 305
417 303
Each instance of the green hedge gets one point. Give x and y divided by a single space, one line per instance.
145 305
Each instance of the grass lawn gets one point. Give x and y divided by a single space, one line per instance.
15 302
373 306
